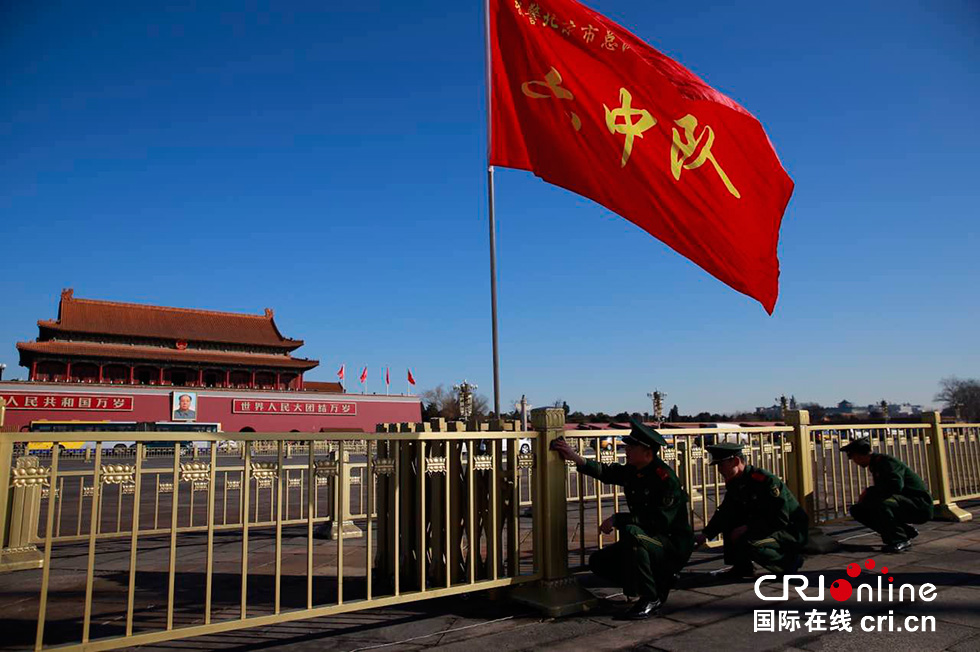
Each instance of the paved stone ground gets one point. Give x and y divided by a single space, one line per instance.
700 615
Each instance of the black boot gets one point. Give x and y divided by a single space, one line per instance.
643 608
898 546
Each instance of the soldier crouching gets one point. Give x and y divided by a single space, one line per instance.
897 498
760 519
655 536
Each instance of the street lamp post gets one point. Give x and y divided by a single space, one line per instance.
2 367
465 392
658 404
523 407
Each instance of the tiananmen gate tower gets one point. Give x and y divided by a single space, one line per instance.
106 360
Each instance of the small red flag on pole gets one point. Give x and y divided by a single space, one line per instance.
340 372
586 105
411 378
364 375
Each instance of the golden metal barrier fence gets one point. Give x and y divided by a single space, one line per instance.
963 455
77 489
446 522
838 483
227 536
108 499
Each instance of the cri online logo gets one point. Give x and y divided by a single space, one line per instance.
841 590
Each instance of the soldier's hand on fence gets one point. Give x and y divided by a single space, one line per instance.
700 540
606 527
561 447
738 532
566 452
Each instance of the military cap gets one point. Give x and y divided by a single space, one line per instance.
723 451
860 446
643 435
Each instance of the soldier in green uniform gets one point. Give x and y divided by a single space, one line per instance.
897 498
760 518
655 536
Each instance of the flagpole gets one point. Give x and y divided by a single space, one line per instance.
493 228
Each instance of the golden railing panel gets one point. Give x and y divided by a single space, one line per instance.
435 465
118 474
482 462
196 472
265 471
384 466
28 473
326 468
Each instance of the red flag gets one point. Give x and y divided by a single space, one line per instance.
411 378
586 105
364 375
340 372
387 377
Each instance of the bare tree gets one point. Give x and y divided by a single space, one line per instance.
817 412
442 402
481 406
962 396
561 403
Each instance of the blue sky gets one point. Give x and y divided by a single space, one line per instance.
328 162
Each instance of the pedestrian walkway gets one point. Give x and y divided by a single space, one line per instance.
701 614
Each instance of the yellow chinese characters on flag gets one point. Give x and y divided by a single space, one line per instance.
551 83
586 105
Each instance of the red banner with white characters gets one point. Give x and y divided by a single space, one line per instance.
320 408
72 402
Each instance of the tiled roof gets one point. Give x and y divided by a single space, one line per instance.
318 386
587 426
172 356
138 320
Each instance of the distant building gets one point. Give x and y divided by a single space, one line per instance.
771 413
775 412
847 409
904 410
106 360
106 342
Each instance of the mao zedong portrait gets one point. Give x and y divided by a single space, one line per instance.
185 407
